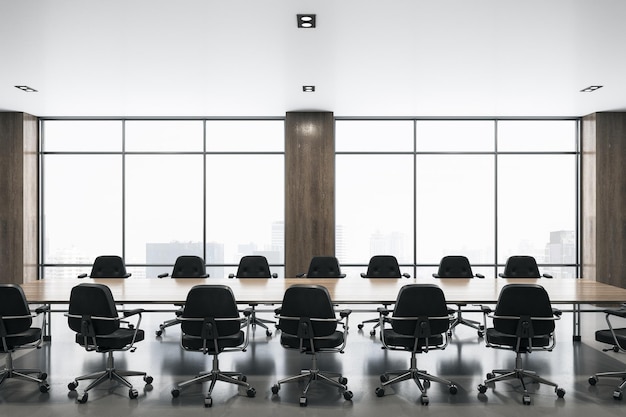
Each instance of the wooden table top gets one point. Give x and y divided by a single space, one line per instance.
342 291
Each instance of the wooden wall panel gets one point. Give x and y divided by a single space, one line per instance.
18 198
309 188
607 173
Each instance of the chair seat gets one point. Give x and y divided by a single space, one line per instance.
116 340
605 336
394 339
29 336
497 338
195 343
326 342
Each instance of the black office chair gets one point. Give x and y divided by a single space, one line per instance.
452 267
211 324
323 267
616 337
186 266
107 266
522 266
418 324
99 328
255 266
381 266
308 323
523 321
16 333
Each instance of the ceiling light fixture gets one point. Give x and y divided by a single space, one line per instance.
590 89
26 88
308 88
306 21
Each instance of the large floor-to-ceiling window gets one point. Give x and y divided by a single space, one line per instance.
151 190
420 189
486 189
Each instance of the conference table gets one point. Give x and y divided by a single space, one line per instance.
348 291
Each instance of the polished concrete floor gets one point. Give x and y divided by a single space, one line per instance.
465 361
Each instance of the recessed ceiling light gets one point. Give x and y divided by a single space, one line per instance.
590 88
26 88
306 21
308 88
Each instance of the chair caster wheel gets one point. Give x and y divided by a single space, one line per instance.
380 392
372 332
208 402
424 400
44 388
426 383
251 392
303 401
617 394
275 389
175 392
384 378
83 398
593 380
72 386
343 380
491 375
360 326
148 379
481 334
132 393
43 376
560 392
268 333
347 395
453 389
526 400
482 388
158 333
243 378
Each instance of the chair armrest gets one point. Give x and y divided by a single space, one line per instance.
247 312
363 275
231 275
557 312
342 275
546 275
435 275
163 275
127 275
383 311
621 312
501 275
450 310
345 313
42 309
278 310
406 275
300 275
82 276
486 309
274 275
479 276
128 313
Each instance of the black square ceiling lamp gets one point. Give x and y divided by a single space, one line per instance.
591 89
308 88
306 21
26 88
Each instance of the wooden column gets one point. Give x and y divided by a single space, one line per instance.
604 198
18 198
309 189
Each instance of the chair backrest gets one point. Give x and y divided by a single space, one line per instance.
210 302
189 266
521 267
324 267
454 266
529 300
420 301
307 301
13 303
109 266
94 300
383 266
253 266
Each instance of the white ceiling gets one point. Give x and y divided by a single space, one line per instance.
241 58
